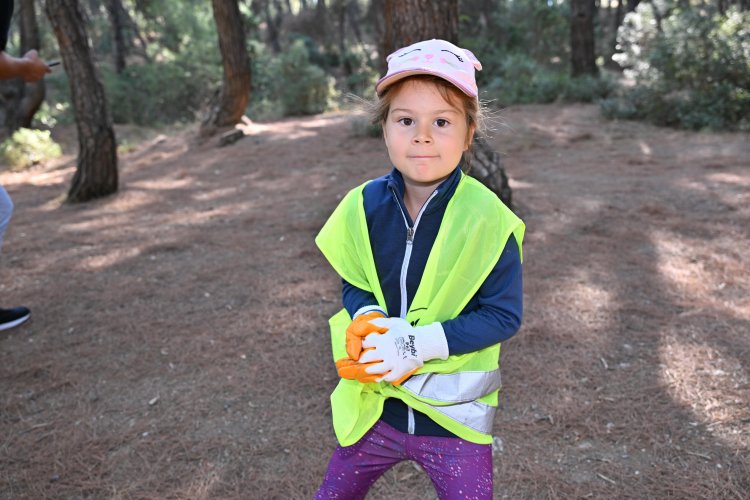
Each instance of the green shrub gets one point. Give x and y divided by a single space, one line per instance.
303 88
363 75
160 93
522 80
589 88
56 108
27 147
694 73
288 84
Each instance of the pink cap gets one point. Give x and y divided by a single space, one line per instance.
433 57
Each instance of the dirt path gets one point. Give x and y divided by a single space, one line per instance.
178 346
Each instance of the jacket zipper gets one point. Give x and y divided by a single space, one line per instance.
402 279
410 231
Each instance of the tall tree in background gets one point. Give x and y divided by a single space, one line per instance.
582 51
235 87
117 17
410 21
96 173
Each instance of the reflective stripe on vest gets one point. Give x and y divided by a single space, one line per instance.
459 393
453 388
474 414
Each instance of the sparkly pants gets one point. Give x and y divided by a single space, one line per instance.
457 468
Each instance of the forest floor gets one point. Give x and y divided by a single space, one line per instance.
178 346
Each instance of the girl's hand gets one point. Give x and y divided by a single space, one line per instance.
402 349
360 328
351 370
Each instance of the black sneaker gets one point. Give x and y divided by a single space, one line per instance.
13 317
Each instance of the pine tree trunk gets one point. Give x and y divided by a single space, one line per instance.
352 12
273 24
321 21
411 21
116 19
484 164
96 172
582 50
235 88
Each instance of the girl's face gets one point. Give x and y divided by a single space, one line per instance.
425 134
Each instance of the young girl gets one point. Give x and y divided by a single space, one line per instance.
431 267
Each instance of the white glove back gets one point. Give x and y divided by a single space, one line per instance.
403 348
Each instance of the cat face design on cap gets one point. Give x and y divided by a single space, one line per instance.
410 55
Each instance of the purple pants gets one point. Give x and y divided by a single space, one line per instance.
457 468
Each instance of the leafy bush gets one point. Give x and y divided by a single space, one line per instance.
693 73
27 147
160 93
589 88
522 80
363 75
56 108
289 84
303 88
539 30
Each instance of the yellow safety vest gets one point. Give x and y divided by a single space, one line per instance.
461 392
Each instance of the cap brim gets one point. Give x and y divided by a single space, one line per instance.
389 80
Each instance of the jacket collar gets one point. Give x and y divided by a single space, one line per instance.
444 191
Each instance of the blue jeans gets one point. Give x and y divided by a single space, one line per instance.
6 210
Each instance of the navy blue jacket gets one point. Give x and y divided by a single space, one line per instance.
493 315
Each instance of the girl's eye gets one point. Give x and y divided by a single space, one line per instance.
440 122
406 121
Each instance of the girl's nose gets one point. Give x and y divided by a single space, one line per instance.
422 136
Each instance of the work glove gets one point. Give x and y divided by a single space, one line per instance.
402 349
359 329
352 370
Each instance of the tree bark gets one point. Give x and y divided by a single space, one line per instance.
411 21
582 50
485 165
96 172
340 8
321 19
352 12
117 20
235 87
273 25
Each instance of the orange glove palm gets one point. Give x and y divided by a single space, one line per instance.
359 329
353 370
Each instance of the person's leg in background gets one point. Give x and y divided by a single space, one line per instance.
15 315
